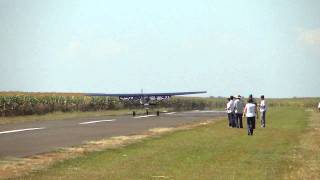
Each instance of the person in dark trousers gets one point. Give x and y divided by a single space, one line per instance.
228 112
231 114
238 106
263 110
257 117
250 111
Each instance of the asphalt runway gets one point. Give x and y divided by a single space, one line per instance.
31 138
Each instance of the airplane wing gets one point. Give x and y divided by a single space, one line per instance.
146 94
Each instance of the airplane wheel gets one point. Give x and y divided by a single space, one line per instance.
158 113
133 113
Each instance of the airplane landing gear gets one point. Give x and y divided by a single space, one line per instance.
158 113
133 113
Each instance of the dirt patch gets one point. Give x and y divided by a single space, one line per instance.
13 167
161 130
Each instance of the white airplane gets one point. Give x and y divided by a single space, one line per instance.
145 98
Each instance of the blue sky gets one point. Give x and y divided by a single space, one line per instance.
225 47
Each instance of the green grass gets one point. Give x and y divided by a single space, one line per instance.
209 152
306 155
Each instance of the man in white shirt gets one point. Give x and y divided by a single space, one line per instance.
230 111
227 111
263 110
319 107
238 106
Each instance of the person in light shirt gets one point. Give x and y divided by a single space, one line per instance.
230 111
227 110
238 106
250 111
263 110
319 107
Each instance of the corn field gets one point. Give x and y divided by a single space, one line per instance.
42 103
32 103
28 104
295 102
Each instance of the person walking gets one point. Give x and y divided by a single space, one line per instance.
233 115
257 117
263 110
238 106
230 111
250 111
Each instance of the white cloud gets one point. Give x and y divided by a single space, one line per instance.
310 36
74 47
110 48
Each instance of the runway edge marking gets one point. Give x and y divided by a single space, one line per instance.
21 130
170 113
144 116
92 122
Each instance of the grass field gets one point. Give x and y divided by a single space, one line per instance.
287 149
